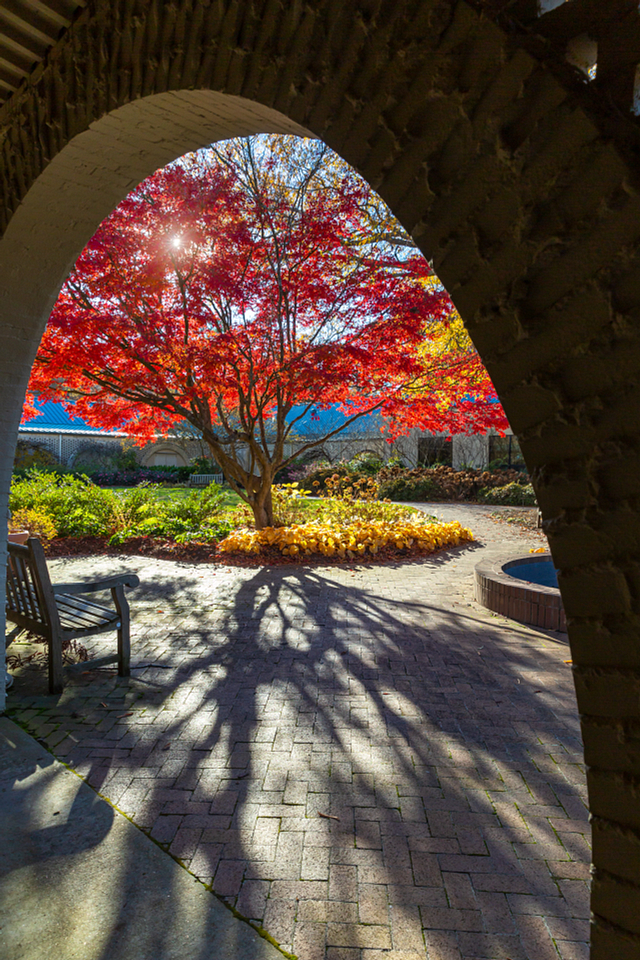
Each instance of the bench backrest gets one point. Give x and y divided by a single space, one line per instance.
204 479
30 600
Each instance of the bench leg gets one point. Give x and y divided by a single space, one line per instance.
55 663
124 641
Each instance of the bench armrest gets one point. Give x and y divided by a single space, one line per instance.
123 580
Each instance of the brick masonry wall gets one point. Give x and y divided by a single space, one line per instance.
526 207
528 603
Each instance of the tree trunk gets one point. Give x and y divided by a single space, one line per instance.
254 490
263 510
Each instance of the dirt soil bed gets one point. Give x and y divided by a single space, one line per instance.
525 517
207 553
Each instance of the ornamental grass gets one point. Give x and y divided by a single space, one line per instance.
358 538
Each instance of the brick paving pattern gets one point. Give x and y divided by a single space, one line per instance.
360 759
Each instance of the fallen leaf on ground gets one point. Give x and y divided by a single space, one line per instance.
327 816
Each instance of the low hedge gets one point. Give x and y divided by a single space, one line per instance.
125 476
512 495
443 483
411 489
316 480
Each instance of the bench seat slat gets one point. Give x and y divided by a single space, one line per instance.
89 610
78 633
80 602
71 620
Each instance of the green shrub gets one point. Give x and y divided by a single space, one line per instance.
411 488
202 465
30 454
211 532
143 513
77 507
442 482
198 511
365 463
512 494
35 520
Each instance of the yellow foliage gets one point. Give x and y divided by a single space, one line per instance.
356 538
36 520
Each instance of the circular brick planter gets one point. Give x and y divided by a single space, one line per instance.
526 602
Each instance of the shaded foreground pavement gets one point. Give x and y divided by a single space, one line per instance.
359 759
79 882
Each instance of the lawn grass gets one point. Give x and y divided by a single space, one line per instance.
307 506
232 500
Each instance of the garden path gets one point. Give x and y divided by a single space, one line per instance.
359 758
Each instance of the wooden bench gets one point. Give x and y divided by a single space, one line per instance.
204 479
59 612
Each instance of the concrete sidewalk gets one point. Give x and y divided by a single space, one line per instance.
79 880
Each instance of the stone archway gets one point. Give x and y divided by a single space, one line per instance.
519 196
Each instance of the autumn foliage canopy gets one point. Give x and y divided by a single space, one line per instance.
245 281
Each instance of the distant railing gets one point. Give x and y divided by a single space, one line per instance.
204 479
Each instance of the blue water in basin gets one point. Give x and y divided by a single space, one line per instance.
540 571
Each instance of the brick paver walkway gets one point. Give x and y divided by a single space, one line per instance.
360 759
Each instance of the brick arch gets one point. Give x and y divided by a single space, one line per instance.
529 212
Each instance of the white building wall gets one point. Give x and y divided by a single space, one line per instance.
470 451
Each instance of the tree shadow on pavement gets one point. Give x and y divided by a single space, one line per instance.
303 726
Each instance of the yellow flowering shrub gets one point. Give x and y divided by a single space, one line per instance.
36 520
292 504
289 503
344 488
358 538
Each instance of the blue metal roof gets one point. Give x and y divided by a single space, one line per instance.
318 422
55 419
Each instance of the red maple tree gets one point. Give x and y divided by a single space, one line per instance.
243 286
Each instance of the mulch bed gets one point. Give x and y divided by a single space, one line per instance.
138 547
525 517
206 553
